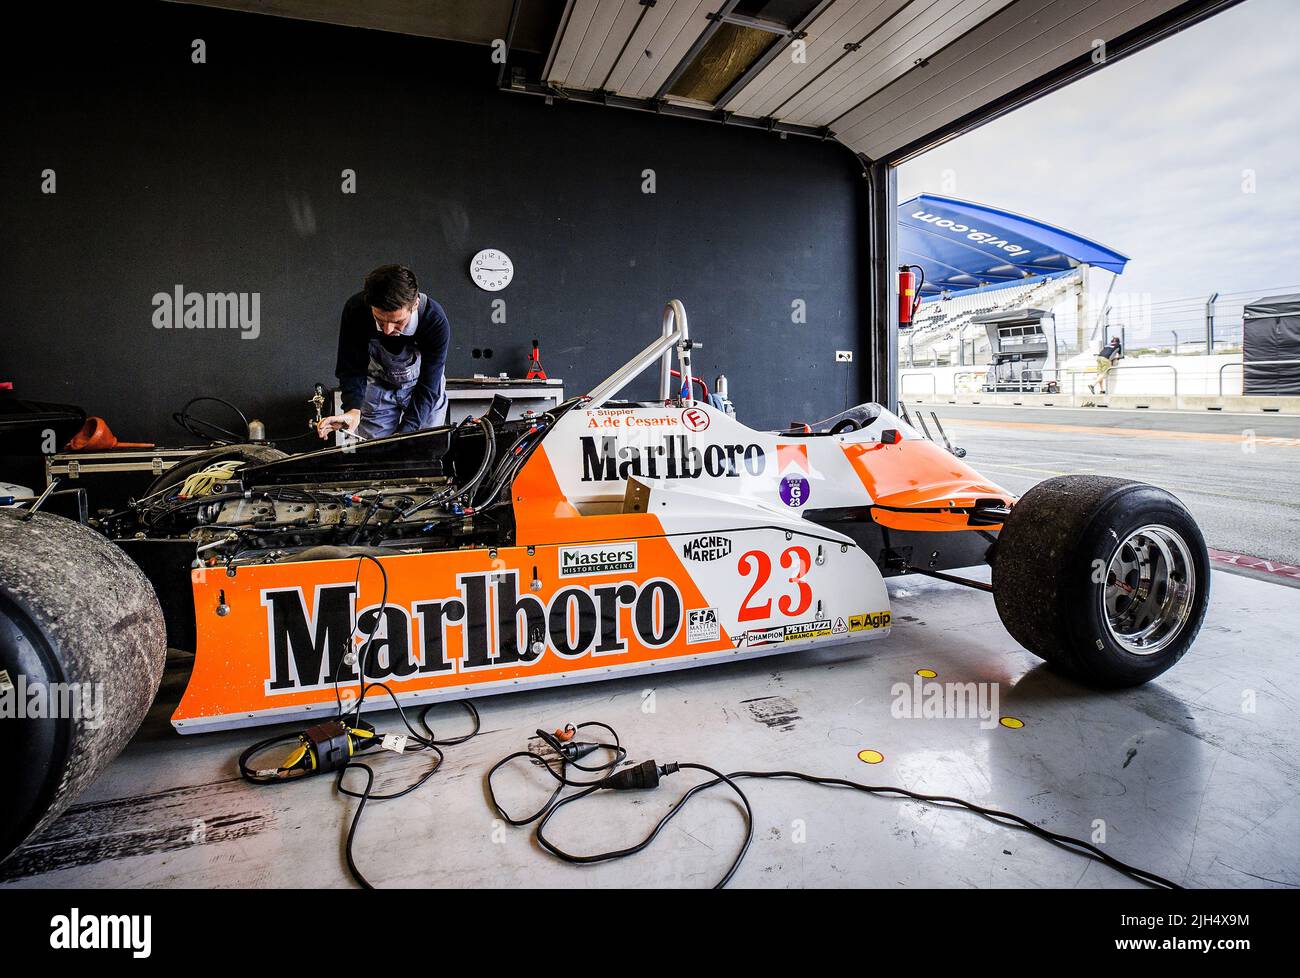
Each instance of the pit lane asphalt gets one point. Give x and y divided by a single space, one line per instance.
1239 474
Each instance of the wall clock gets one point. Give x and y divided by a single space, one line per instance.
491 270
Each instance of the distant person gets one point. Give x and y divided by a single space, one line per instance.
393 343
1110 354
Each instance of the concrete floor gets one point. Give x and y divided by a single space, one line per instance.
1195 776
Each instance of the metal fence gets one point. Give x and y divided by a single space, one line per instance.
1068 380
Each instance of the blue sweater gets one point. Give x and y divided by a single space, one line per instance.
432 337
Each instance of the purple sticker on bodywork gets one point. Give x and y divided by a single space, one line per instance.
795 490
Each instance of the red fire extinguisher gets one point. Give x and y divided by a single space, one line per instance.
909 292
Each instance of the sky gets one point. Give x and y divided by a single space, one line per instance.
1185 157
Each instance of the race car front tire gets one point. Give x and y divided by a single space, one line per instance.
82 649
1107 579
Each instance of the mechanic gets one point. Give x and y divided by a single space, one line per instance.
393 343
1111 353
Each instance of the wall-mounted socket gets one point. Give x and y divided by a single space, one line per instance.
843 356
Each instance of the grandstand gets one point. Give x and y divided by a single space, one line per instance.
976 260
942 333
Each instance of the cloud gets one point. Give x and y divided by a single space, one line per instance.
1150 156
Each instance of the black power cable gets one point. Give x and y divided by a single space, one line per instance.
647 774
205 430
356 736
425 742
567 752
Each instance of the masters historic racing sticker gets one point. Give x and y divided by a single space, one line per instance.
607 558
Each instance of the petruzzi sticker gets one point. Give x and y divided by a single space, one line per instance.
809 629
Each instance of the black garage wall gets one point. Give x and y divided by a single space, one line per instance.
227 177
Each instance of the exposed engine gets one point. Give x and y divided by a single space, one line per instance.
436 489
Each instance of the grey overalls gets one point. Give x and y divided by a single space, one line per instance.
390 381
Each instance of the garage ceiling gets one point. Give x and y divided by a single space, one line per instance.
876 74
880 76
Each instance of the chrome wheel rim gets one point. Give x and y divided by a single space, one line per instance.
1150 588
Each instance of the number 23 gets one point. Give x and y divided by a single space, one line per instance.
794 558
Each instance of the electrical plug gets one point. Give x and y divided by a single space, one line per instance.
639 777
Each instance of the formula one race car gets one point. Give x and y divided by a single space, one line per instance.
599 539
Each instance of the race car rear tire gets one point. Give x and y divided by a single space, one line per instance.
1107 579
252 454
74 611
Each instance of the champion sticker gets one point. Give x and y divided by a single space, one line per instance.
765 636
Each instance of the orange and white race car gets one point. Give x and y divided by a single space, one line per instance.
603 538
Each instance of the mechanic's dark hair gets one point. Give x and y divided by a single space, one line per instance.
391 287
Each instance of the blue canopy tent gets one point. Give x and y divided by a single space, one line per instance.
961 245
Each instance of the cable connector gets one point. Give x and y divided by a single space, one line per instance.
565 746
328 746
576 749
642 776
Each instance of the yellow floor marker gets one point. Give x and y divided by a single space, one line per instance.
870 756
926 673
1012 722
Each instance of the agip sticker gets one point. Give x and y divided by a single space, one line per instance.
869 621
